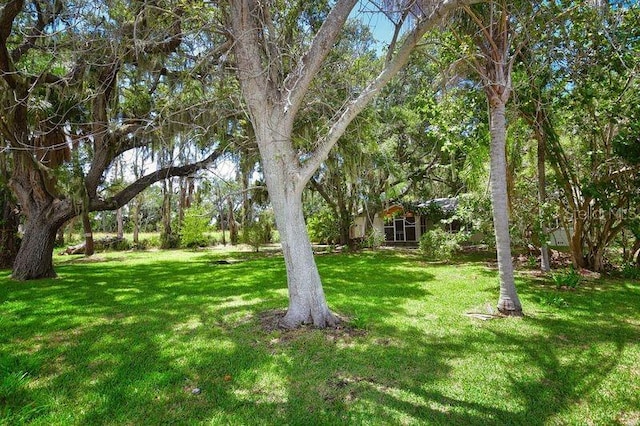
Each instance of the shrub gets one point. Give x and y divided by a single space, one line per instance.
169 241
323 227
121 245
258 233
630 271
194 226
148 243
438 244
568 278
374 239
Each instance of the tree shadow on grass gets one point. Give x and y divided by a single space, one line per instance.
134 345
129 343
551 378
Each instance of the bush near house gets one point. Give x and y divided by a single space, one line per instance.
437 244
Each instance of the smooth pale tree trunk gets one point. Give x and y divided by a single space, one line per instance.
136 221
233 229
508 303
120 223
307 302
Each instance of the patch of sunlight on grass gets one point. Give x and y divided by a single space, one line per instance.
176 338
267 386
191 324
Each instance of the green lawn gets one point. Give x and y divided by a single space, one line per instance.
130 338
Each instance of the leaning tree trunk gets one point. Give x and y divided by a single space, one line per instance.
508 303
35 257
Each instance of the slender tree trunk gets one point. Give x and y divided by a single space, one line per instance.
233 229
246 201
167 233
508 303
345 227
89 248
222 228
120 223
136 220
182 204
545 266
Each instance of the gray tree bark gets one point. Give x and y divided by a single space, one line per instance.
34 259
508 302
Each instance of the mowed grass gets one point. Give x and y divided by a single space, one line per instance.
175 338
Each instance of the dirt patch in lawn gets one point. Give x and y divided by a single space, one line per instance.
271 320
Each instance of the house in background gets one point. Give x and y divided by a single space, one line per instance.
404 225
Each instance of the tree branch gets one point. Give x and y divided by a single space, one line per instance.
392 67
44 18
318 187
247 52
127 194
297 83
7 15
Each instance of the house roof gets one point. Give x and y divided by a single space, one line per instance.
448 205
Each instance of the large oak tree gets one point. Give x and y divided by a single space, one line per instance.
83 84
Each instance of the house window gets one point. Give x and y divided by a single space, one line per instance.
423 225
410 228
399 229
388 232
